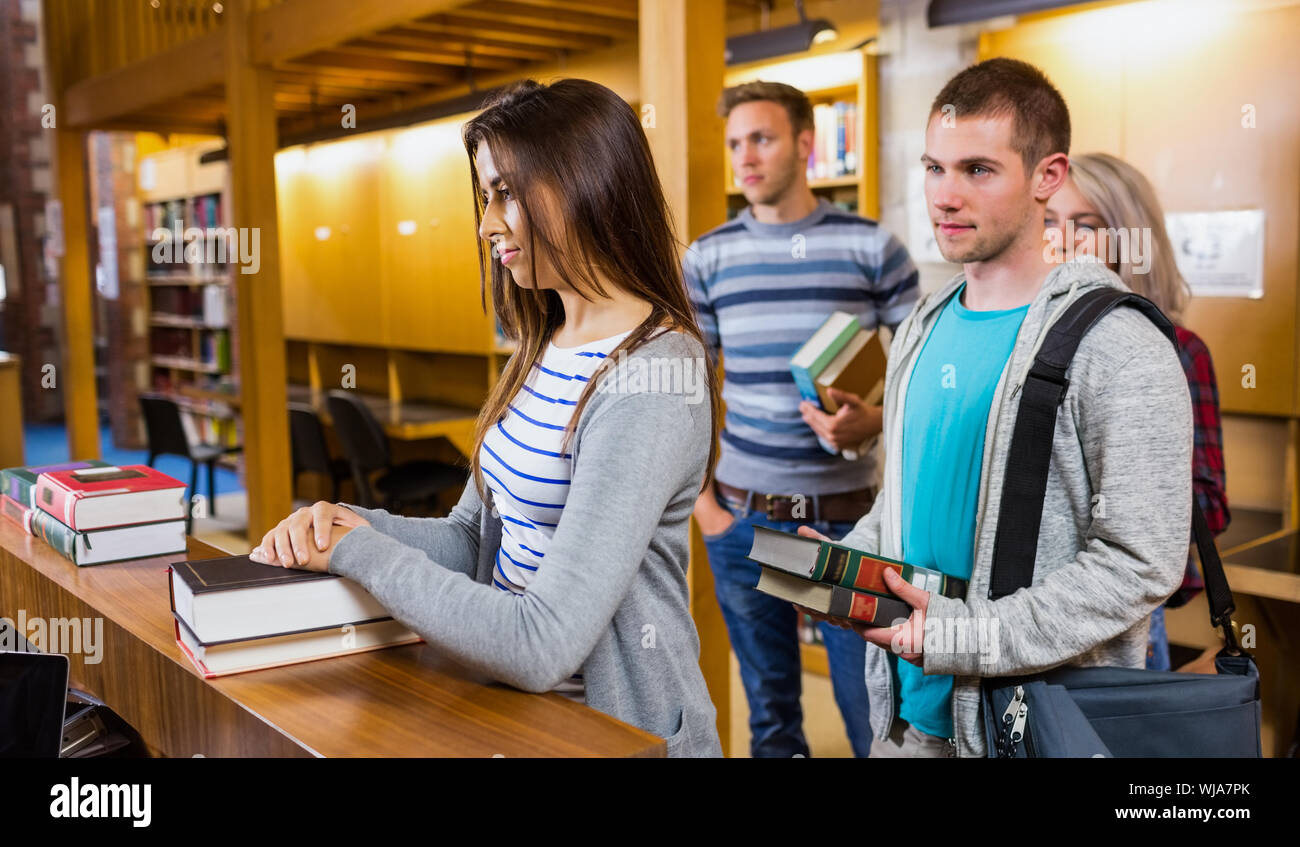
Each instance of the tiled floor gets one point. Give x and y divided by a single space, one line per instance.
822 724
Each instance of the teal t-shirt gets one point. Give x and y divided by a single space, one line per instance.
945 415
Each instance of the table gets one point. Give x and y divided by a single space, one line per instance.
408 420
400 701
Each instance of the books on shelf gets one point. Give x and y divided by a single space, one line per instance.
835 142
202 211
234 614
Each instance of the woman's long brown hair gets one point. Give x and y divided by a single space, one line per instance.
579 149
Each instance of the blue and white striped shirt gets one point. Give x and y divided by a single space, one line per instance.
760 291
528 472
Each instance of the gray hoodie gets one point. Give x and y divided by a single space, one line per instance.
1116 519
611 599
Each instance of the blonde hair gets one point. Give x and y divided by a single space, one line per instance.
1125 200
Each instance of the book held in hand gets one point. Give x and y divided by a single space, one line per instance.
835 601
826 561
859 368
844 356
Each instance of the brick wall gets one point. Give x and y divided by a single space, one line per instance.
30 315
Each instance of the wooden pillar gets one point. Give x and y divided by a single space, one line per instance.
251 135
76 377
681 61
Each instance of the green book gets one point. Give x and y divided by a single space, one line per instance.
110 544
816 353
837 564
20 483
840 565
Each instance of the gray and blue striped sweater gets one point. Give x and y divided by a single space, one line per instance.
761 291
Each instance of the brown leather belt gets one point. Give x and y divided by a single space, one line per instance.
847 506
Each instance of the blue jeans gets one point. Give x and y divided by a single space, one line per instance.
763 636
1158 642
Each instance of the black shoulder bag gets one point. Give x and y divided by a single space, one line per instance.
1105 711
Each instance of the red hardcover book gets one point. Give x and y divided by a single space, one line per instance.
16 512
96 498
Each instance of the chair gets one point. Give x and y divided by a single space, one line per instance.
166 437
366 446
310 452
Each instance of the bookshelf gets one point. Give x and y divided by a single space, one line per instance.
842 87
190 251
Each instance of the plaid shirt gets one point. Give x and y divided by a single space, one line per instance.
1208 481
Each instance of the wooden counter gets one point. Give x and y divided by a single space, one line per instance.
400 701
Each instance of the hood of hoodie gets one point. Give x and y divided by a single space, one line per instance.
1064 284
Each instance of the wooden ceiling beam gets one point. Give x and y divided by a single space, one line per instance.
513 33
195 65
406 37
623 9
445 57
296 28
338 63
488 17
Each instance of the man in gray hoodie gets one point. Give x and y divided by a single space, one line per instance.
1117 514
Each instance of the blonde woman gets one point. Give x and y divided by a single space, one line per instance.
1103 195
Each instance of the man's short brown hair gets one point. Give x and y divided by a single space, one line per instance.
796 103
1040 118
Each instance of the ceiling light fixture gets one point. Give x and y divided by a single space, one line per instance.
795 38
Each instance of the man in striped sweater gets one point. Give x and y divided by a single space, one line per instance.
762 284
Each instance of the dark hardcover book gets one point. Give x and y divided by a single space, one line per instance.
825 561
835 601
866 572
234 598
232 572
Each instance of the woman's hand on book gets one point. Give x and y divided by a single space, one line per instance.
308 532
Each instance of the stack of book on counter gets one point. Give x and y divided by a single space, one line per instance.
839 581
844 356
92 512
234 615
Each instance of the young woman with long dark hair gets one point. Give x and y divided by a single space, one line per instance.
563 566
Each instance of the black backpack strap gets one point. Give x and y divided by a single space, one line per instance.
1024 485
